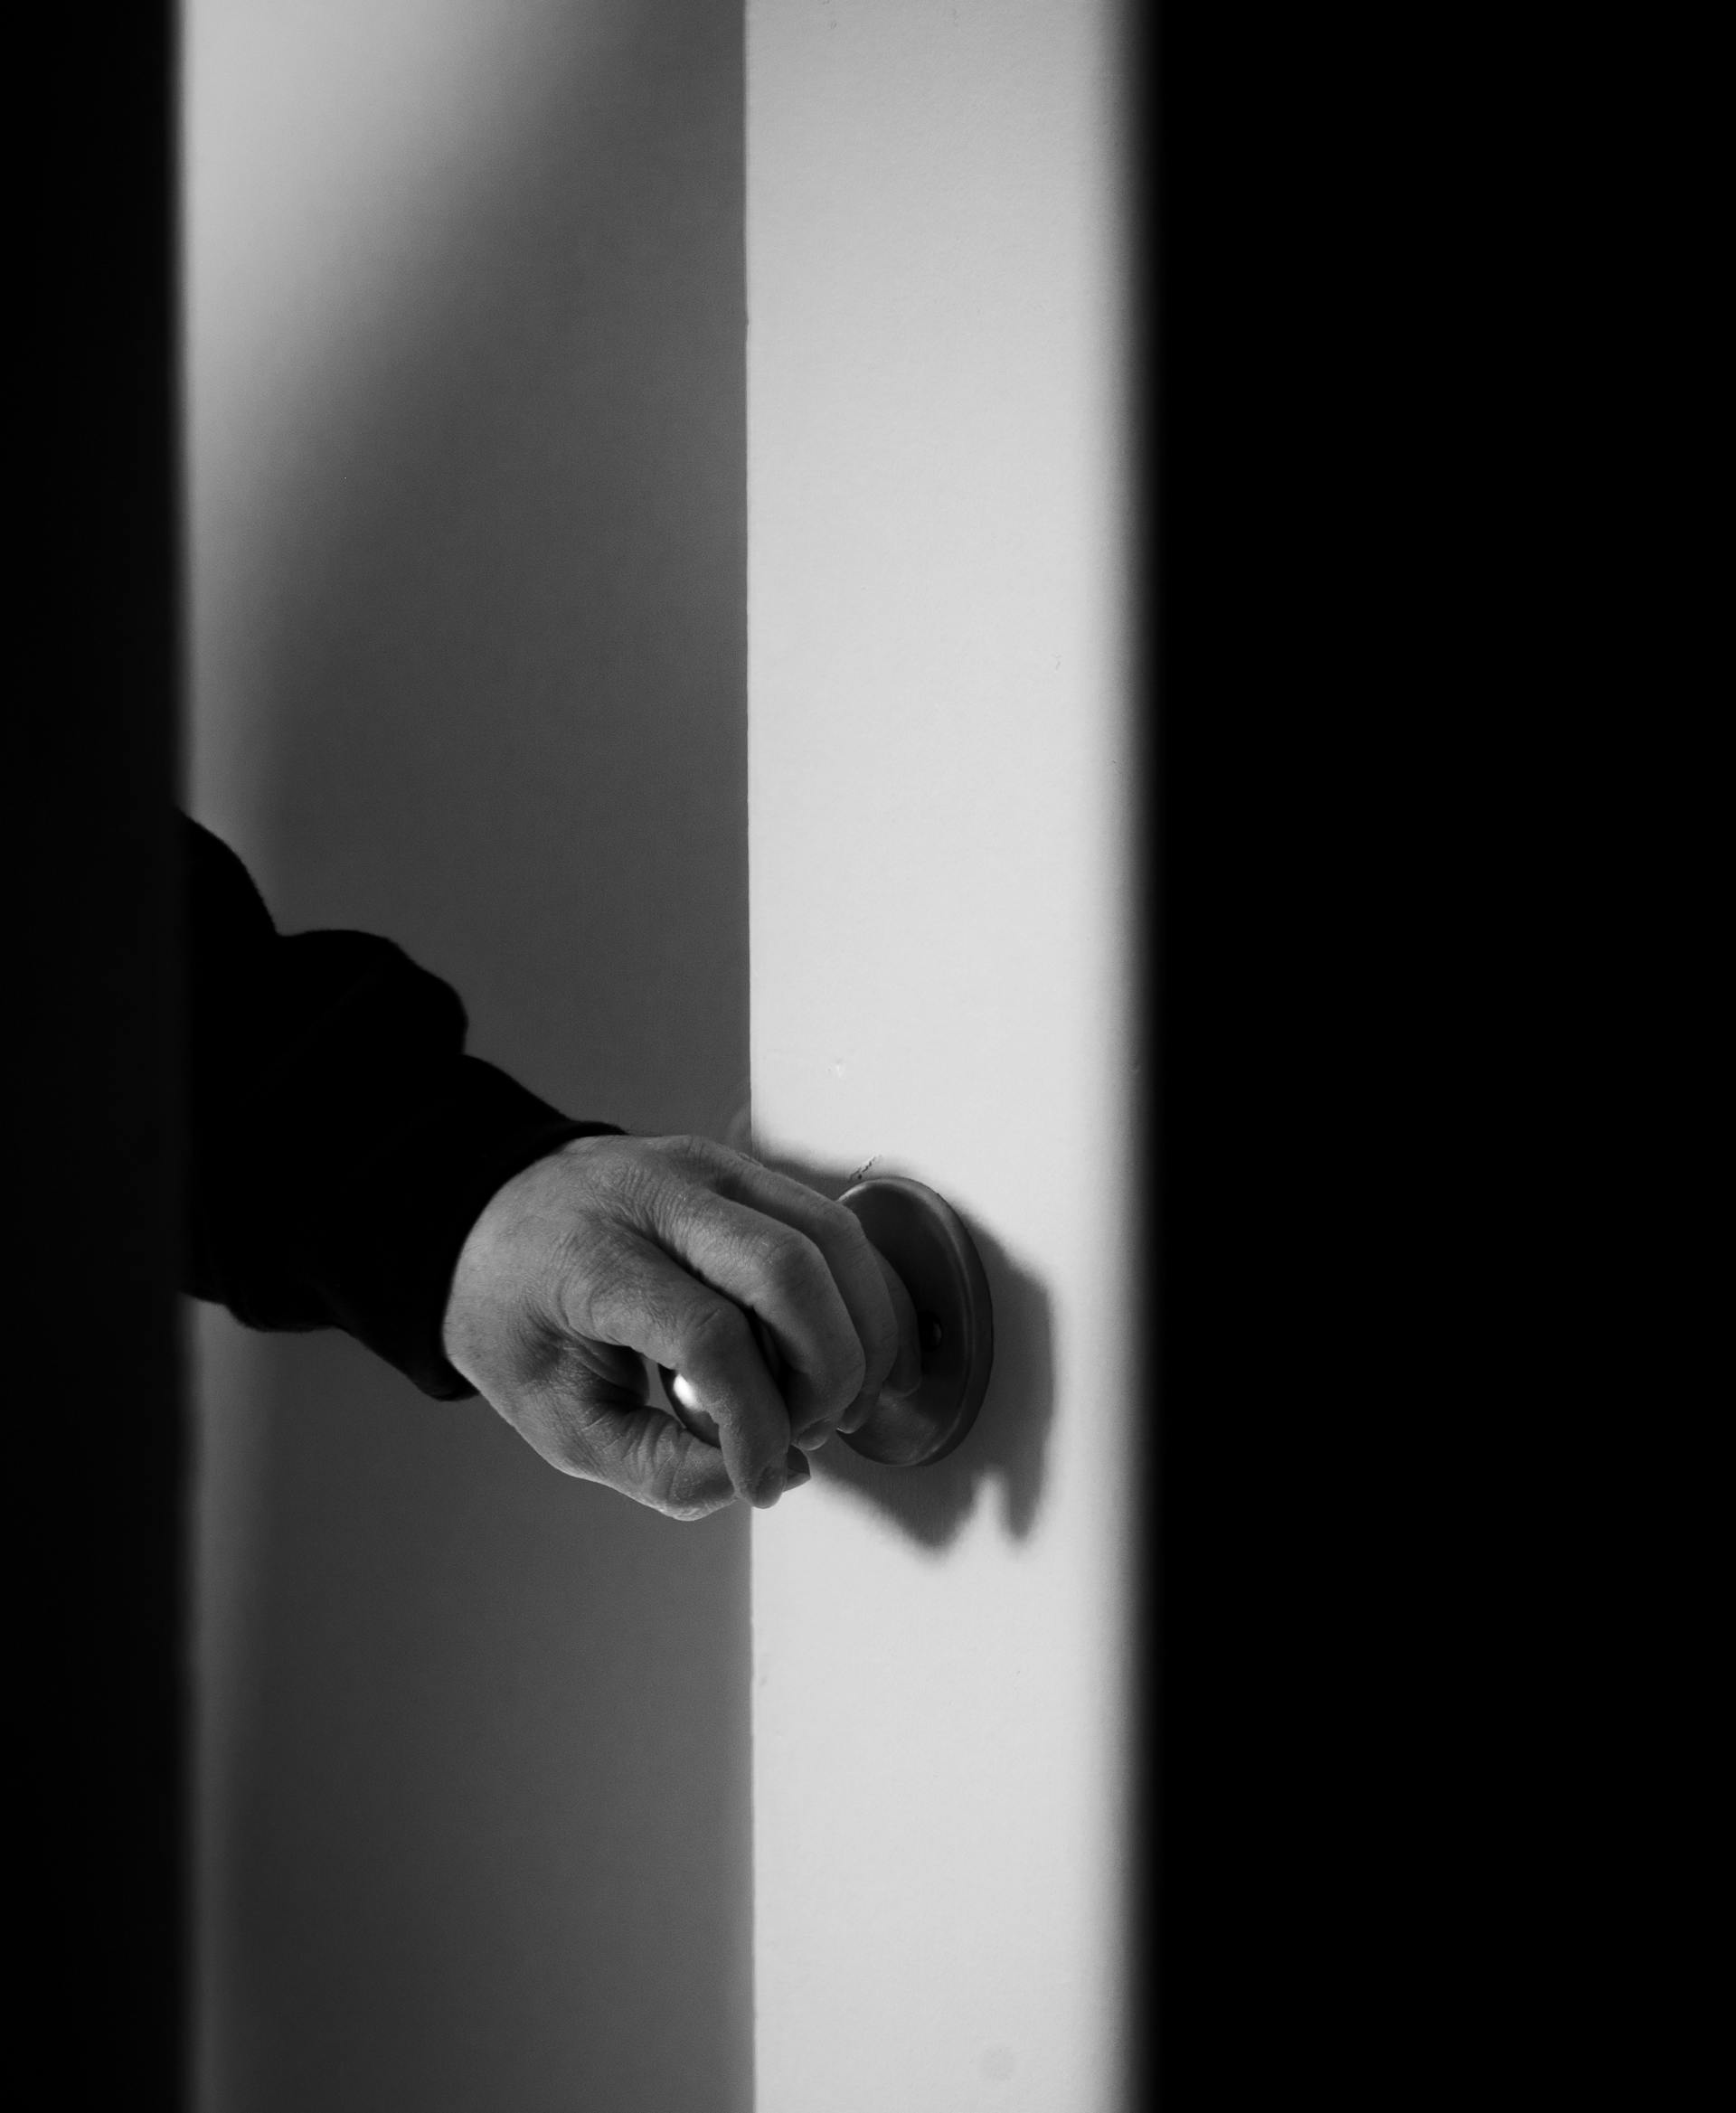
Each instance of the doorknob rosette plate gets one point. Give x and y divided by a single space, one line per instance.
926 1241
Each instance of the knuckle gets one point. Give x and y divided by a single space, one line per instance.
599 1284
787 1263
674 1185
607 1163
686 1508
845 1228
570 1450
640 1187
694 1155
667 1481
831 1390
716 1332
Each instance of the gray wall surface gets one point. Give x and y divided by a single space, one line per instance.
467 492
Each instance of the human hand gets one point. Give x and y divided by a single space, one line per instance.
616 1248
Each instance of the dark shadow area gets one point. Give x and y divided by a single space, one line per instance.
95 1670
1007 1446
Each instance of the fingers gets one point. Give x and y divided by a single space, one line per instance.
767 1297
778 1275
634 1294
906 1374
881 1316
648 1456
586 1414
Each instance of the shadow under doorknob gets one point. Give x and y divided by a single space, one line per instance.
925 1240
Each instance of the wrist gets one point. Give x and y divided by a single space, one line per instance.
506 1267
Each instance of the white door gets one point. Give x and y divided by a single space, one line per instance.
940 767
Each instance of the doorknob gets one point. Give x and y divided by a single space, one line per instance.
926 1243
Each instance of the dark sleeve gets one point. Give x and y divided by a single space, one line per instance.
340 1143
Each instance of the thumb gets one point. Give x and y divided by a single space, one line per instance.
647 1454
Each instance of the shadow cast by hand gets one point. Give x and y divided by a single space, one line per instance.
1008 1443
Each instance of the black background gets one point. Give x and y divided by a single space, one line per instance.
98 1434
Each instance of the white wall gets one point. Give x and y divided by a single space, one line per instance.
465 460
938 747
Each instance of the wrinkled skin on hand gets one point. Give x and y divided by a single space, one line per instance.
614 1249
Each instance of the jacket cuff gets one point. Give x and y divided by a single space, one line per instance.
393 1228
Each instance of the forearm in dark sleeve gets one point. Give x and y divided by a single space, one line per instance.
342 1144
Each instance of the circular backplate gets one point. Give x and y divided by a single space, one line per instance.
925 1240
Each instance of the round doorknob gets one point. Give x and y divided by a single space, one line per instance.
926 1243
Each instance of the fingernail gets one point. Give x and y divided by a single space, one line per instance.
769 1486
796 1470
858 1412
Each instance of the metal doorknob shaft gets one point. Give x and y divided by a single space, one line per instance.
926 1243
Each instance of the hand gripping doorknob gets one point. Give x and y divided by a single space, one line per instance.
925 1242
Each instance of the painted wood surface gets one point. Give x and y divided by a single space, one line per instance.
941 966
